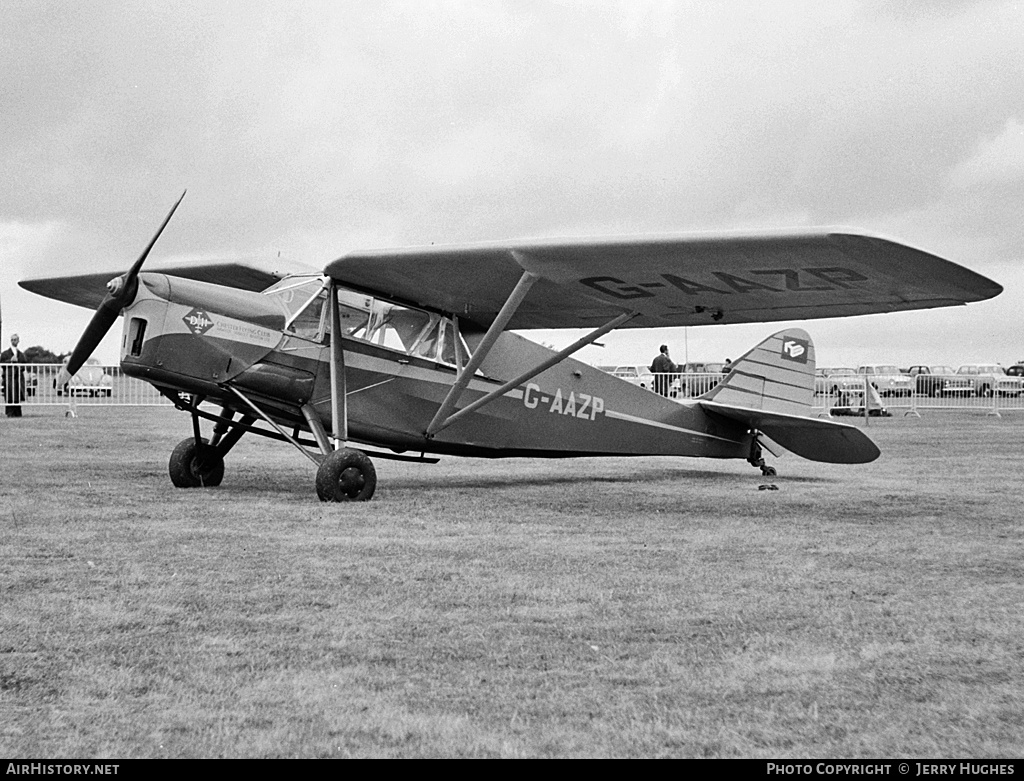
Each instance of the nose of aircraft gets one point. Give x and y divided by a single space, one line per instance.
120 293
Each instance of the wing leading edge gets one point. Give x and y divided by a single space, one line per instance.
697 279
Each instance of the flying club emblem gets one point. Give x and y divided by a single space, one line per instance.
198 322
795 350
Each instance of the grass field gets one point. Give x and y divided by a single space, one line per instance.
628 608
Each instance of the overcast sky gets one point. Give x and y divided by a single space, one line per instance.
309 129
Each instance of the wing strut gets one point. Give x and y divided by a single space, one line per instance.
444 416
339 387
529 375
469 370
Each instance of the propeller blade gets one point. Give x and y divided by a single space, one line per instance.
125 286
104 317
120 293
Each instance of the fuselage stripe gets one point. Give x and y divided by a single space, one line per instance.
657 424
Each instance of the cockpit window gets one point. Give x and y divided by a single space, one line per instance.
398 327
375 320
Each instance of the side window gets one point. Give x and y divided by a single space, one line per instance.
426 347
395 326
354 313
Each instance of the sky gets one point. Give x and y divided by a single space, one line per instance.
307 129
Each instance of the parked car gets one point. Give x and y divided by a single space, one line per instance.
91 380
939 380
842 379
887 379
637 375
1017 370
989 378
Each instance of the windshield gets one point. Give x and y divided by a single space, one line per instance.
304 299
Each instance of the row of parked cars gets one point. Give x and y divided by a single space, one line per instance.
972 379
695 378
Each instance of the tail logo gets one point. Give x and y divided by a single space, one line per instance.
795 350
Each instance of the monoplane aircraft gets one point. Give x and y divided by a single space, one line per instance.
412 352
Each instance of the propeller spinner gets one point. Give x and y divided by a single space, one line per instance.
120 293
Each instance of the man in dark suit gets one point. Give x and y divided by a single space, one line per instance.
663 370
14 378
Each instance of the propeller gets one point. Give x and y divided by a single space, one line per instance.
120 293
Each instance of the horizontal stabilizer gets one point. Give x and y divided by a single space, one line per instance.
811 438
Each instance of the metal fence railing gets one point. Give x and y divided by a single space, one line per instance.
94 384
851 399
97 384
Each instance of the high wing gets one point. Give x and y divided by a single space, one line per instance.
695 279
88 290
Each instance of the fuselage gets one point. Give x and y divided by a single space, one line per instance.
399 364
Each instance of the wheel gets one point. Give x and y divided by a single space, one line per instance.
346 476
768 471
195 467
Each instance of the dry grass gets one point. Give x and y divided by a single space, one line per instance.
644 607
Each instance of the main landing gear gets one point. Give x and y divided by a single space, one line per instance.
343 475
199 463
756 458
195 465
346 475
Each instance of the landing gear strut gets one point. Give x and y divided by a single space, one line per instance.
756 458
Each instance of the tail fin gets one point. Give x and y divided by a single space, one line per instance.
775 376
771 389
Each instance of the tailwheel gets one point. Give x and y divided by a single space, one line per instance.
756 458
346 476
195 465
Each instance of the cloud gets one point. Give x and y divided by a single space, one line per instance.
995 162
311 128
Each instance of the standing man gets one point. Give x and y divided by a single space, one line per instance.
662 368
14 378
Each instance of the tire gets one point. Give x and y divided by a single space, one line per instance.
346 475
195 467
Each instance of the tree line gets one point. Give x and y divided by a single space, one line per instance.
39 354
